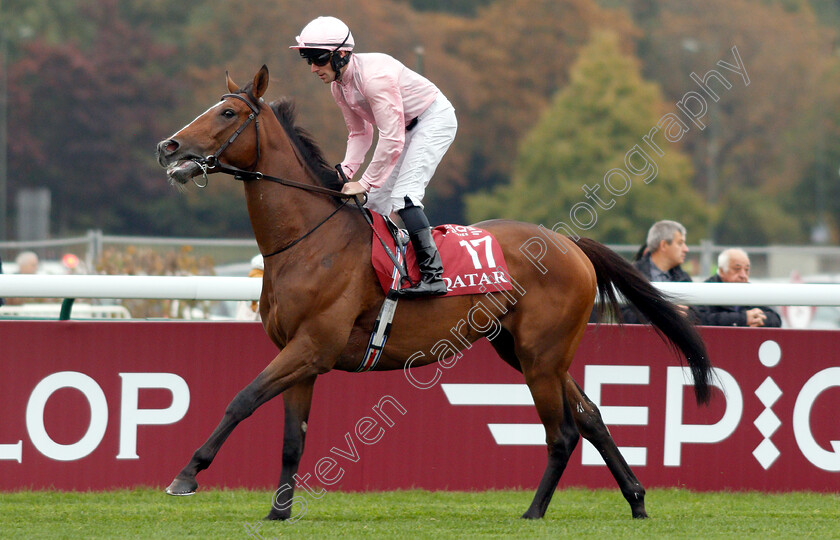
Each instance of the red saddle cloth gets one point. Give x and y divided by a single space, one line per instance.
473 262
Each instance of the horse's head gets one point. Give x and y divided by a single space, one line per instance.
222 130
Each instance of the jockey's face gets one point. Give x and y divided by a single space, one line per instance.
325 72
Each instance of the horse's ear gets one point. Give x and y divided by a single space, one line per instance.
233 88
260 82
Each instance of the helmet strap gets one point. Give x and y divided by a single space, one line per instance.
337 61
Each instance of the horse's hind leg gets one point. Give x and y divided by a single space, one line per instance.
578 408
561 435
297 402
591 426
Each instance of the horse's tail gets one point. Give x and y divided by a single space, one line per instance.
613 271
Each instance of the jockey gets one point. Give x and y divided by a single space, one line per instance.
416 125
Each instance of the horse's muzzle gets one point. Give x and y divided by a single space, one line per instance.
180 166
166 150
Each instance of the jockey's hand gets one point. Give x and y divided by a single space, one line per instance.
353 188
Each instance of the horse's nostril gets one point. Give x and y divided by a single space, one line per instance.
165 151
167 147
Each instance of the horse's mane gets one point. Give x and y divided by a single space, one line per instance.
284 110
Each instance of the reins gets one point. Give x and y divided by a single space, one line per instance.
243 175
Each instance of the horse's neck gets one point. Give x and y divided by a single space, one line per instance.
281 214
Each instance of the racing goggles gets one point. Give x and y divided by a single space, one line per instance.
319 57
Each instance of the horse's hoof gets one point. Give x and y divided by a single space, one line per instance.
640 515
531 515
181 487
277 516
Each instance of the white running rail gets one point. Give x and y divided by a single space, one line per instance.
243 288
121 287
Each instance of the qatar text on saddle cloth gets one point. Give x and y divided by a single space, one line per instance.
473 262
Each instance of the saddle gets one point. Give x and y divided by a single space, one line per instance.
473 261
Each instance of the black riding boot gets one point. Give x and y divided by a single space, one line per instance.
428 259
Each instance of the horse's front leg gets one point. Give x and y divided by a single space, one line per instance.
296 362
297 402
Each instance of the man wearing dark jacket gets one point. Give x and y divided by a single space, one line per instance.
734 267
664 252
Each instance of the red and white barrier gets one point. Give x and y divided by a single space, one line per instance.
97 405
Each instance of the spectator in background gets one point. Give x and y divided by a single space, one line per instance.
664 252
734 267
27 262
250 311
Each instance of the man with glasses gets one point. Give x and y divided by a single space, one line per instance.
416 126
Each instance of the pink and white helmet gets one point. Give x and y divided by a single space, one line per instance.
325 33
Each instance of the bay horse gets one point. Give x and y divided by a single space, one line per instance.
320 296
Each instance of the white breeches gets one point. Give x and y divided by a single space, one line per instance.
424 147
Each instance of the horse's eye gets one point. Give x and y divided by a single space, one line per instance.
228 113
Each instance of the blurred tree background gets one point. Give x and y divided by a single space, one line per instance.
550 94
587 131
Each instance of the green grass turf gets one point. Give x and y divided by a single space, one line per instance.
574 513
